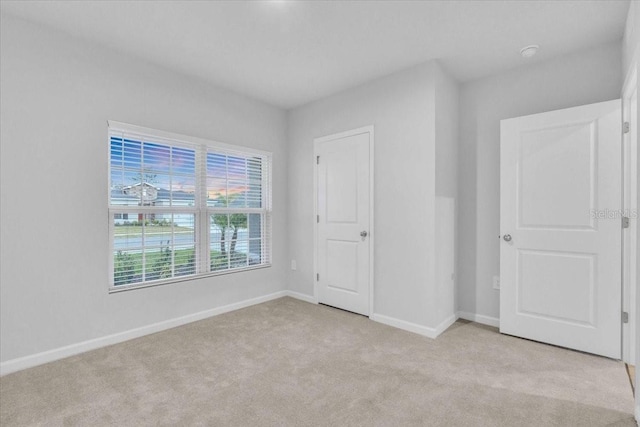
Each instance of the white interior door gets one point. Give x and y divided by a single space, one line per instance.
343 220
561 228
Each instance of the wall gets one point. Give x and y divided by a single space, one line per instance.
57 94
401 109
631 39
446 126
582 78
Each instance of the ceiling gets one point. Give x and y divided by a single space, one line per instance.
289 53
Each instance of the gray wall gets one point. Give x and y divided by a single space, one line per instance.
401 108
447 121
631 39
582 78
57 94
446 125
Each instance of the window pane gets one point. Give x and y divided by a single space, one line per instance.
255 239
234 181
158 263
239 240
150 189
127 267
237 197
127 245
255 252
153 246
216 165
185 260
216 193
151 174
236 168
158 230
132 154
254 168
184 229
127 233
238 258
183 161
219 241
254 194
255 226
183 191
156 157
230 243
116 152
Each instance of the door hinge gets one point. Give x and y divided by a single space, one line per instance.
625 127
317 160
317 277
625 222
625 317
318 218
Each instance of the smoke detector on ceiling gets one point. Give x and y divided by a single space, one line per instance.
529 51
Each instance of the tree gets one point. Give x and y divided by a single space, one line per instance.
144 189
222 222
124 268
145 176
237 221
161 267
234 221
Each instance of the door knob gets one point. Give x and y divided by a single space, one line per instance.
363 234
507 237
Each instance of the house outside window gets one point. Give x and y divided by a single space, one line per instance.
183 207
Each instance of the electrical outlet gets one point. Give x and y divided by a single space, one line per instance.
294 266
496 282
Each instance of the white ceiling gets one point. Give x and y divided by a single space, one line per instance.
288 53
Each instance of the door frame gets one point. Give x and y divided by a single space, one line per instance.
630 254
316 144
631 83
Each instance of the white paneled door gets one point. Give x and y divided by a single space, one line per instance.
343 240
561 228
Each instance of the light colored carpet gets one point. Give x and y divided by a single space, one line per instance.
290 363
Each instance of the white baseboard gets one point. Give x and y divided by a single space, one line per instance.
638 414
479 318
301 297
391 321
444 325
414 327
25 362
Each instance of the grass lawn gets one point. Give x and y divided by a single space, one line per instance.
128 266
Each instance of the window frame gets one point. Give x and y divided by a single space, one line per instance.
201 211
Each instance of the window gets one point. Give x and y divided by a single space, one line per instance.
181 207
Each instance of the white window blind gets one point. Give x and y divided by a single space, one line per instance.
182 207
